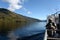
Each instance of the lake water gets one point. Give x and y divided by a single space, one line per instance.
34 31
31 29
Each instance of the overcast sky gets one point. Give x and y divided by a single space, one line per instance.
39 9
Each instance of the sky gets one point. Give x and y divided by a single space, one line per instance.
38 9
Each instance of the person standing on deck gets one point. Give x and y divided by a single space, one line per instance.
51 28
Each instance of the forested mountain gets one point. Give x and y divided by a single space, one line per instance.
10 20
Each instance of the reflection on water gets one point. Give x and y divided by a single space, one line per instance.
6 26
32 28
23 29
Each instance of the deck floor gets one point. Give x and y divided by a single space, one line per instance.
52 38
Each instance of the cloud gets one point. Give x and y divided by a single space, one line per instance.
14 4
28 12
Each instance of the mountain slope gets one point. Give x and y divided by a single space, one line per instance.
7 13
10 20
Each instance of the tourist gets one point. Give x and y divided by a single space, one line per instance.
51 27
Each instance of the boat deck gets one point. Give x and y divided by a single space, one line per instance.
51 38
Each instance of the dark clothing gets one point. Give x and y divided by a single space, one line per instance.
49 26
49 33
58 27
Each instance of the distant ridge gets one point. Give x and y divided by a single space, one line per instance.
6 12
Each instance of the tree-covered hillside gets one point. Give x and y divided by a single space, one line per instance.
10 20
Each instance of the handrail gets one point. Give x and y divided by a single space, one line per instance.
45 36
51 30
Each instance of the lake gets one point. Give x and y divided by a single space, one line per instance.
32 31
